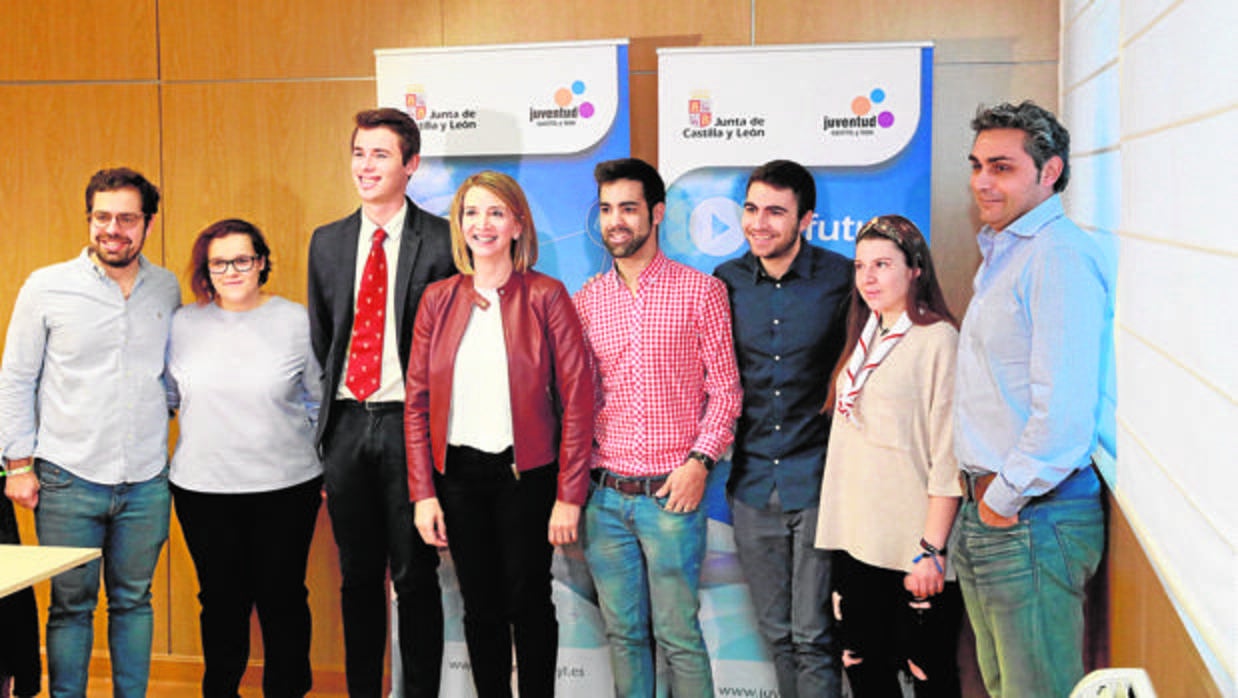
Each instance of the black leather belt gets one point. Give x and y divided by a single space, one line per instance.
628 485
391 406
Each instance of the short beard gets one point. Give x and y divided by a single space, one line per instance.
626 249
117 262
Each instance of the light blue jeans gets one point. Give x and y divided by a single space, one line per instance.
646 565
789 581
1024 589
130 523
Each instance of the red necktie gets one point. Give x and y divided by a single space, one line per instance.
365 363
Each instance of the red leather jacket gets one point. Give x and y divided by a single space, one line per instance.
547 372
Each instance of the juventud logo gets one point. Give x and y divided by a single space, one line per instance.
564 113
865 118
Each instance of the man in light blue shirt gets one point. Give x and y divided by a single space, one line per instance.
1027 397
84 428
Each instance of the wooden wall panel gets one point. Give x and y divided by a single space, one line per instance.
282 39
1144 628
55 137
707 22
974 31
646 23
471 22
276 154
72 40
643 102
651 24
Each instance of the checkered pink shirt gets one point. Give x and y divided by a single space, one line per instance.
665 364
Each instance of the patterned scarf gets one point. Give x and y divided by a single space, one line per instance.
862 362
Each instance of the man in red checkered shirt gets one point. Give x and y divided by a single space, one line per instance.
659 335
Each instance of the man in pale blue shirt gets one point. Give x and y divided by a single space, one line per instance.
84 428
1027 399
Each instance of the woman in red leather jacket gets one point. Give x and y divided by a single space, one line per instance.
498 424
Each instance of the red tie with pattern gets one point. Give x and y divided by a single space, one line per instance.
365 363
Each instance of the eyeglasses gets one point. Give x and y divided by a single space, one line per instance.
240 264
125 220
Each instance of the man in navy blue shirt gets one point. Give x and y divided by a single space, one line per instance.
788 303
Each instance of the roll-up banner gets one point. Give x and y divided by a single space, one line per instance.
544 114
858 116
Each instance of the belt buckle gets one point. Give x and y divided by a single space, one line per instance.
626 485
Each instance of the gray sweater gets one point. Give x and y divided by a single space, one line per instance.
248 389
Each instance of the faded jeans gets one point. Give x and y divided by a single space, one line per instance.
646 565
1024 589
129 522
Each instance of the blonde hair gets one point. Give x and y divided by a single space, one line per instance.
524 247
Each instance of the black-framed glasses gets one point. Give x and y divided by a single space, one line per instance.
125 220
241 264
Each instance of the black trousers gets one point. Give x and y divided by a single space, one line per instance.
879 626
371 517
250 551
19 619
497 527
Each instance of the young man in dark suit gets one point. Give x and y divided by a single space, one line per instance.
366 276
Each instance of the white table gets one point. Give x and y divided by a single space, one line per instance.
24 565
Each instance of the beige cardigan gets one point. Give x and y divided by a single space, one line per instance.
880 472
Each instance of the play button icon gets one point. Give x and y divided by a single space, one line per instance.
714 226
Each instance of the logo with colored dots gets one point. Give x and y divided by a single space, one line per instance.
866 117
565 95
568 107
865 105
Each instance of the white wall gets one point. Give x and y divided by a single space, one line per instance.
1149 91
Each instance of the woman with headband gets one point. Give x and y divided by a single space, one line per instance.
891 490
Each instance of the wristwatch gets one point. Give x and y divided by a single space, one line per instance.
705 460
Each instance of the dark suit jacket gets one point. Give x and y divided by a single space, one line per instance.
425 257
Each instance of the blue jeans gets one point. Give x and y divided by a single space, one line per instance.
789 581
1024 589
130 523
646 563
